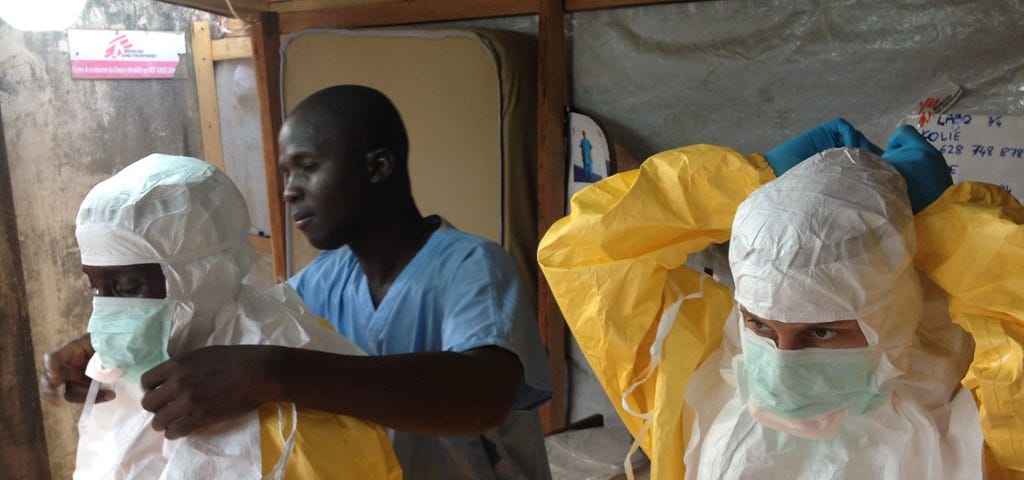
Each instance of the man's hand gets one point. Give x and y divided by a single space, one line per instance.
64 372
204 387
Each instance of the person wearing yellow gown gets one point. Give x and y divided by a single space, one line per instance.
723 381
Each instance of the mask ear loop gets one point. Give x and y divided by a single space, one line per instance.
665 323
289 443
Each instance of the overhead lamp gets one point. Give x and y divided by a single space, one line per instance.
40 15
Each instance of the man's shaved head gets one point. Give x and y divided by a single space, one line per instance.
356 118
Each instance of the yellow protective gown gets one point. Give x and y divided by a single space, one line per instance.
327 446
614 268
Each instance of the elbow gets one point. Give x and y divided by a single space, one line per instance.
490 407
497 383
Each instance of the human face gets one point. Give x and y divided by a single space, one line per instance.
144 280
796 336
327 190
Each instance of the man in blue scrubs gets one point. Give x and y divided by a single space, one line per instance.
455 364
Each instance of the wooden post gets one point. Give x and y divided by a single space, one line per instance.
266 46
551 108
23 454
206 87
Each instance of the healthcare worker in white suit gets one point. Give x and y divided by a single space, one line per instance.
165 245
859 340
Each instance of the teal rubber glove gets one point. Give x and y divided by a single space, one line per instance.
923 167
834 133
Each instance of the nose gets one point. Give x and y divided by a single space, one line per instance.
788 341
292 193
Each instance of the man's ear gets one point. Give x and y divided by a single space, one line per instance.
380 163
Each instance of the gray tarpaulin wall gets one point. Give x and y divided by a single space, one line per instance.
748 74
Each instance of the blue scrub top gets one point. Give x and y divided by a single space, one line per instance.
458 293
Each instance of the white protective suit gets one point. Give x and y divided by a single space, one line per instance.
187 216
833 239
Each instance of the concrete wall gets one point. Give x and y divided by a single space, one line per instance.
63 136
22 454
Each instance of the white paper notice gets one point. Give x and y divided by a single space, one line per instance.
124 53
979 147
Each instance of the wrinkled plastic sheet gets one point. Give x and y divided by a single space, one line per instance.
748 74
241 136
593 454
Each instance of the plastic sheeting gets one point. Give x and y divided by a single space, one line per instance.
241 137
592 454
748 74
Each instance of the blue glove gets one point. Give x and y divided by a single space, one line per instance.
834 133
922 166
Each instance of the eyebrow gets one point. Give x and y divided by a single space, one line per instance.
835 323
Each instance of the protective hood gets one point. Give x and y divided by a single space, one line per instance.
188 216
833 239
182 213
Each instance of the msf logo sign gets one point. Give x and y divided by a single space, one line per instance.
117 46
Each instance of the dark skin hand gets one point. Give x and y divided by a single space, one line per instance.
64 367
432 393
64 372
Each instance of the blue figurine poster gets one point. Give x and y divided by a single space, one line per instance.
588 153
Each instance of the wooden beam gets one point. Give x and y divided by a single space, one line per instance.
397 12
206 87
23 453
551 116
404 12
231 48
266 43
280 6
580 5
220 7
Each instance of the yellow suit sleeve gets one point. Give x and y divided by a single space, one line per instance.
971 243
616 262
327 446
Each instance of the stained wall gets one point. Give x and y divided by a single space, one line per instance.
62 137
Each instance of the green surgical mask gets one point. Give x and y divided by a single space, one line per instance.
130 333
808 383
